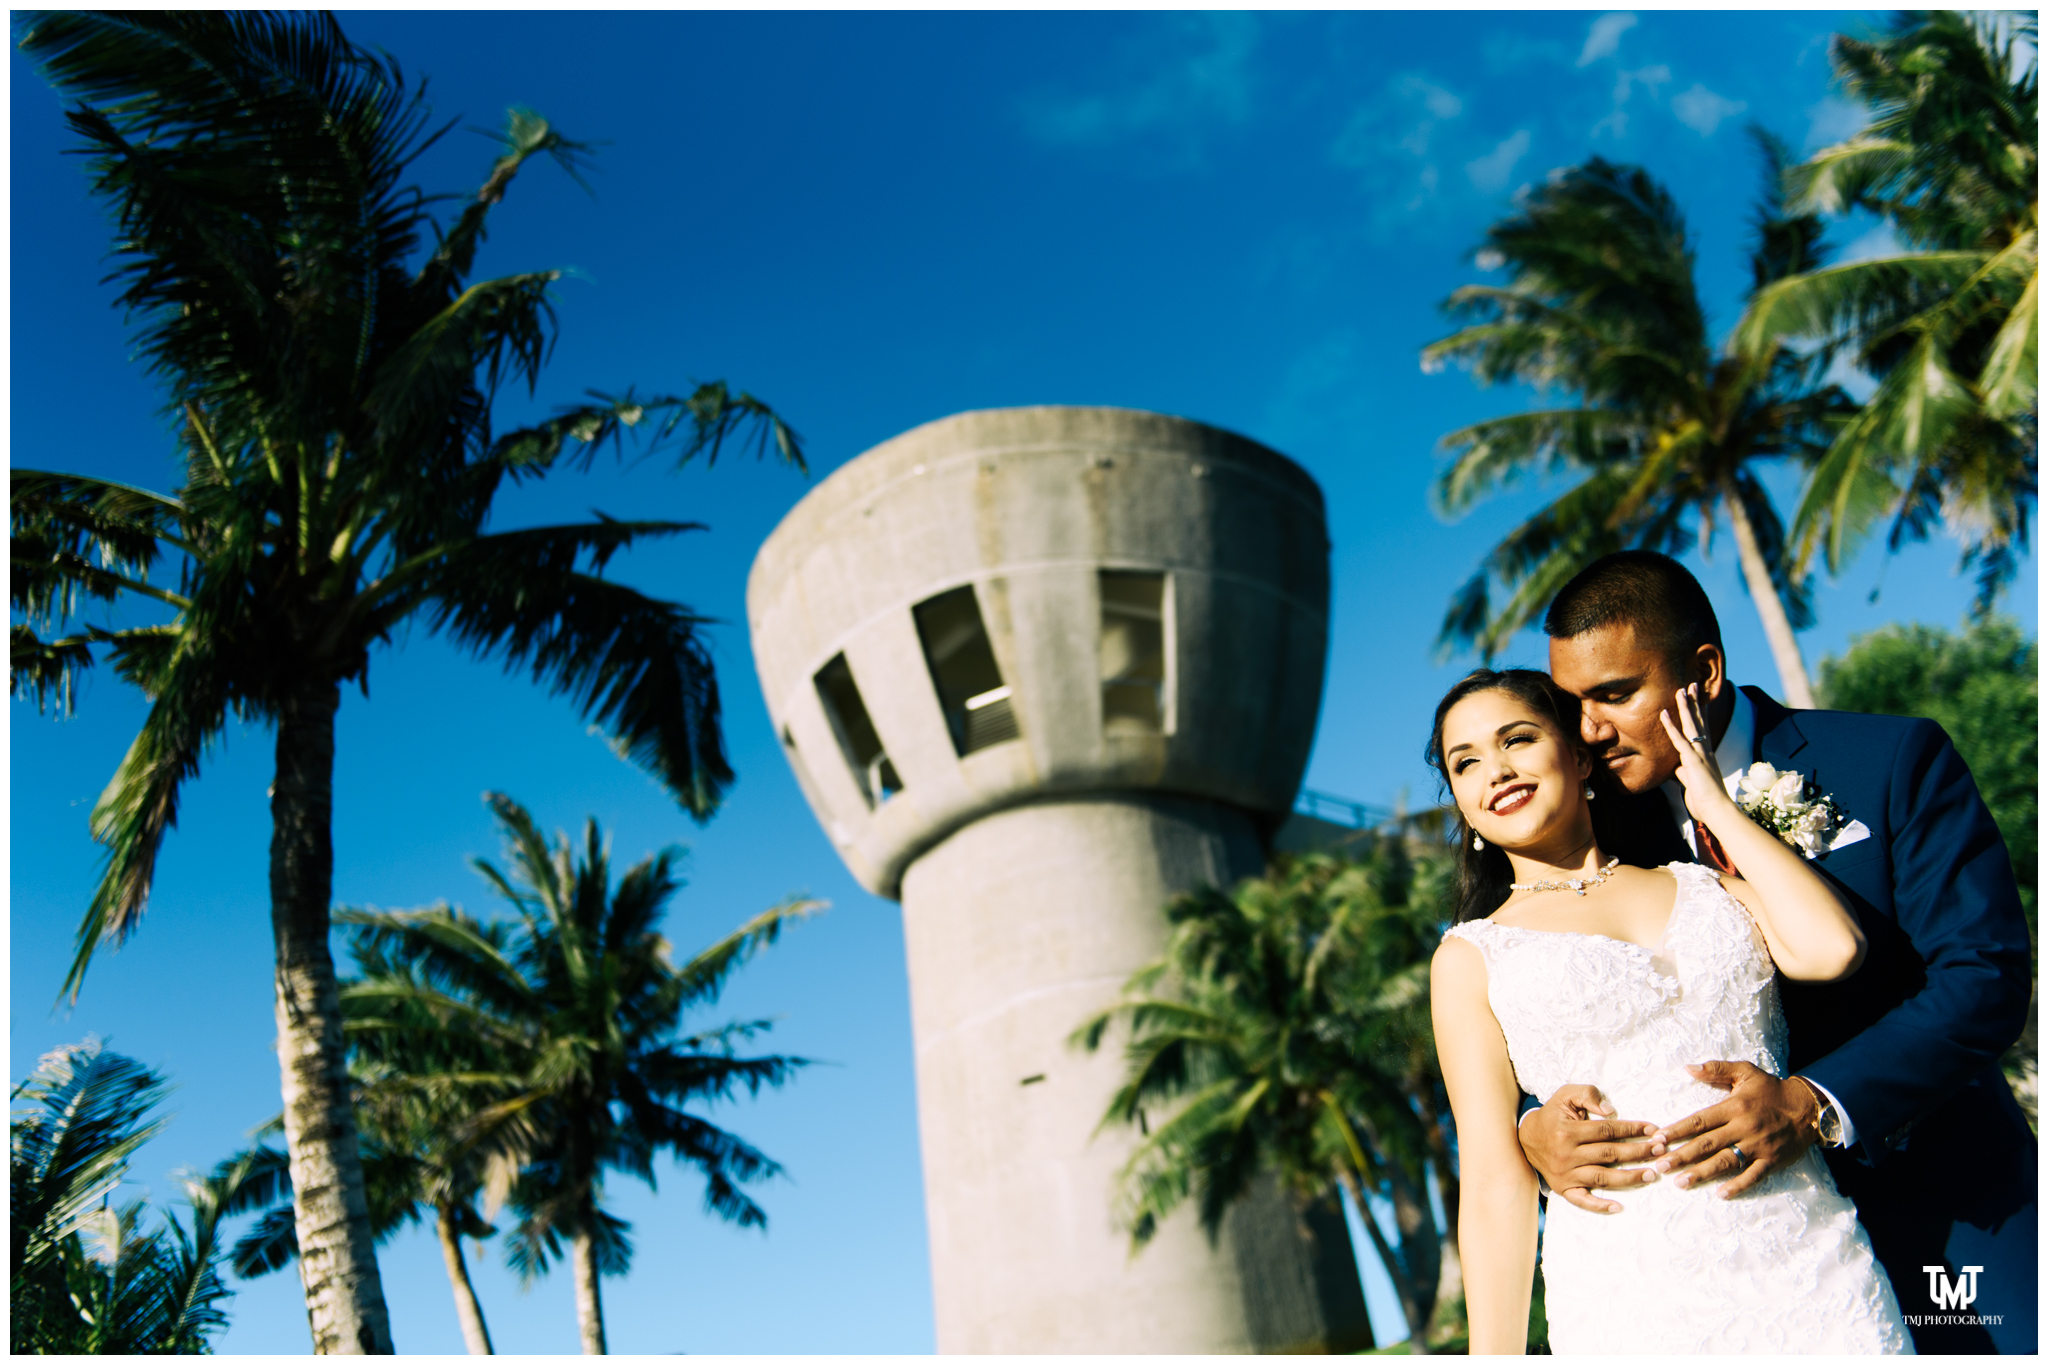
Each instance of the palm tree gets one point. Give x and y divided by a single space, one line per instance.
85 1278
1667 434
1286 1031
417 1084
67 1151
580 999
1951 158
334 381
411 1168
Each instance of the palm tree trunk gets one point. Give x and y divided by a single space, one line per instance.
1450 1280
1450 1285
589 1306
337 1258
1777 627
471 1314
1421 1248
1397 1271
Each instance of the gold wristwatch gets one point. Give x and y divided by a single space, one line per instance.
1827 1124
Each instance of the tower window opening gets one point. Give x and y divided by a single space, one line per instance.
1133 652
873 773
972 694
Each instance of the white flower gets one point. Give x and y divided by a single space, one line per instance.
1814 830
1755 780
1777 800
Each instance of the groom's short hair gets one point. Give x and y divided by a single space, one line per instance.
1649 591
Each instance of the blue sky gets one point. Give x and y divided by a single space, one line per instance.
873 221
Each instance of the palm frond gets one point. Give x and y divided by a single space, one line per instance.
1856 483
1786 243
270 1244
1667 461
47 670
704 976
146 656
255 1178
672 1074
526 136
463 969
633 664
1837 178
1490 456
208 125
140 804
1535 560
708 419
86 1112
501 327
2011 376
1873 297
1950 152
73 538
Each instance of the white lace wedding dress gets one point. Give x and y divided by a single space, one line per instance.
1783 1267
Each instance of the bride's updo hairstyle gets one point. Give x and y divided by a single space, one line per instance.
1485 876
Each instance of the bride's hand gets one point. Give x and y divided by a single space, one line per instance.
1706 794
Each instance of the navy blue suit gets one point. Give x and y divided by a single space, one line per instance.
1943 1171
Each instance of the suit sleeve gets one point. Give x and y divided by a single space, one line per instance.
1954 897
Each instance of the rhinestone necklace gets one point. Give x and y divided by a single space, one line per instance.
1578 884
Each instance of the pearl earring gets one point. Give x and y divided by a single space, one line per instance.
1590 793
1478 842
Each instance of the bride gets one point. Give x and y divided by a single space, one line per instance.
1568 967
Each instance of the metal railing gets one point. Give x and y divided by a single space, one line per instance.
1338 811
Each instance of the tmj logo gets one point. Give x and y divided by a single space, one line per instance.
1955 1295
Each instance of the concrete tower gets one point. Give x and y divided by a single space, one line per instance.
1038 670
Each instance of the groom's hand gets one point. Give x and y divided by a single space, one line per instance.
1769 1119
1574 1140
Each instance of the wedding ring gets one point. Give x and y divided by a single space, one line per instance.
1741 1159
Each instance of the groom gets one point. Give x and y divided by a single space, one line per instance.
1895 1068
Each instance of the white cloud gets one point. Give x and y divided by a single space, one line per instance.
1503 51
1605 36
1625 82
1401 124
1490 172
1440 102
1208 84
1701 110
1833 120
1649 77
1412 106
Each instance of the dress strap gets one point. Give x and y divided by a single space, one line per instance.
1696 874
1481 934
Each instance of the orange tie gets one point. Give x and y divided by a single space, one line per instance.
1711 852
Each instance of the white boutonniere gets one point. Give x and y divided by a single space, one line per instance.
1794 809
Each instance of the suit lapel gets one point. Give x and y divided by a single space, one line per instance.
1778 736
